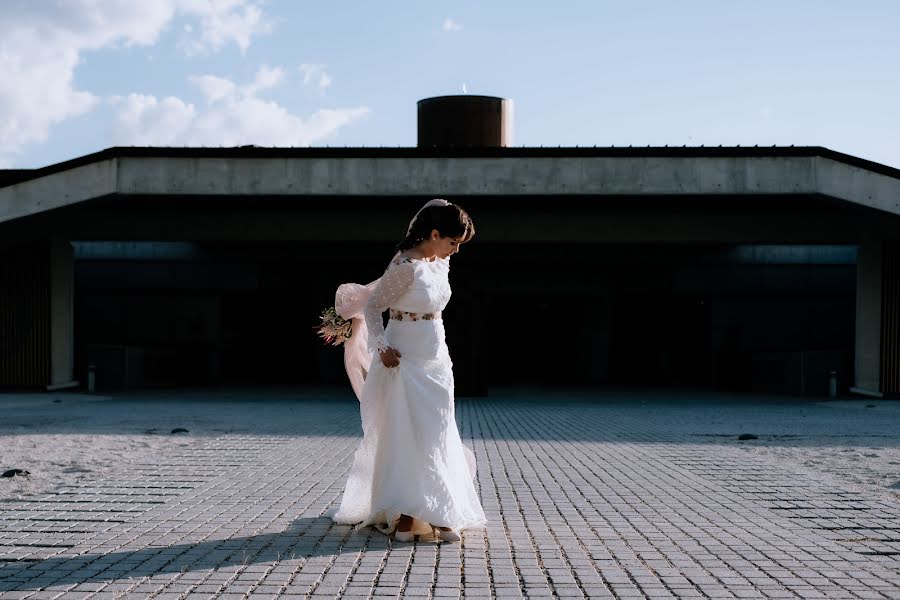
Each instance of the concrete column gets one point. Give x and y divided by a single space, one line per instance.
62 313
868 317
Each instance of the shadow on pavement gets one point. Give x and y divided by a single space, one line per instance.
599 414
305 538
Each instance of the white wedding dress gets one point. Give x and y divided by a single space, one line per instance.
411 459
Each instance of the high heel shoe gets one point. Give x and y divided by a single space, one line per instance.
404 536
448 535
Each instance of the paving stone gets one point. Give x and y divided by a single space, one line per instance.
589 495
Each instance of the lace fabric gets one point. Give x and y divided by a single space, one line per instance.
395 282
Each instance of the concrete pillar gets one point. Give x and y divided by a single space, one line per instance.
890 319
62 314
868 317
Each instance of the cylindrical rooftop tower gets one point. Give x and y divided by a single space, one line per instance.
465 121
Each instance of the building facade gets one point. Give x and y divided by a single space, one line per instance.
730 268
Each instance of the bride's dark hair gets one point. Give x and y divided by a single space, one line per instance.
450 221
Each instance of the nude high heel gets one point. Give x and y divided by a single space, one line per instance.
404 536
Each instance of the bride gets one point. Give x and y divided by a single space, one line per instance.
411 474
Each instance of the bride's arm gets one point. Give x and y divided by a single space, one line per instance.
393 284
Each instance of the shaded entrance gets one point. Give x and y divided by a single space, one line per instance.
763 317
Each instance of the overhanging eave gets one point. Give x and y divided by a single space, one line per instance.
857 185
55 190
392 175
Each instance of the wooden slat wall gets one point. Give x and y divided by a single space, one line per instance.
24 316
890 319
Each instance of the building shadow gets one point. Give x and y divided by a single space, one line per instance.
677 416
530 413
304 538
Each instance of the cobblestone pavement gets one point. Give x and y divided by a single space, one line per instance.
589 495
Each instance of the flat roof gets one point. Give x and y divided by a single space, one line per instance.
13 176
255 171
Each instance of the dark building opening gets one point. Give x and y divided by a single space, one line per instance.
767 318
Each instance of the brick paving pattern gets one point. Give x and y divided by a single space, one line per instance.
587 497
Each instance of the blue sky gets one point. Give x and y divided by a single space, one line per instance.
82 75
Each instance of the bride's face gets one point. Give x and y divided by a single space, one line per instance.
444 246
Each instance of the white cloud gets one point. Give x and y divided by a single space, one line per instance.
450 25
315 75
147 121
223 22
214 88
266 78
42 42
219 88
234 115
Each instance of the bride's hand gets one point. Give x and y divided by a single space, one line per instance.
390 358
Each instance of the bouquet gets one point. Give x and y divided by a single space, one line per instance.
334 329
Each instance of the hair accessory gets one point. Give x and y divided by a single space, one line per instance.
435 202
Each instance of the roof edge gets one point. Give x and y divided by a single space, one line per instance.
14 176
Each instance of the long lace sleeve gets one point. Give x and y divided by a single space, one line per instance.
395 281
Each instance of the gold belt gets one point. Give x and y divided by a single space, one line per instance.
402 315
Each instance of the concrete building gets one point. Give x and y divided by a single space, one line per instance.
739 268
